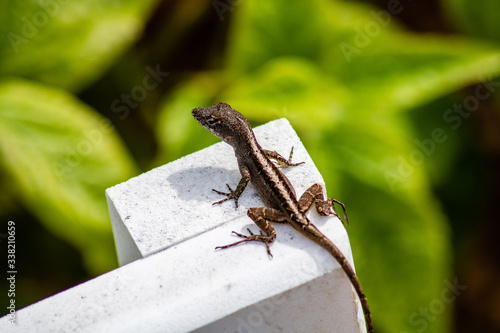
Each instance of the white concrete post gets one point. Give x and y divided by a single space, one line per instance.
173 280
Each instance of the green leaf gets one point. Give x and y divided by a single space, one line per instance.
360 49
262 32
478 18
288 87
66 43
176 130
384 77
62 156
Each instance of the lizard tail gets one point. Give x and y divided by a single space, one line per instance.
312 232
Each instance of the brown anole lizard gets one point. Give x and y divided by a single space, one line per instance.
273 188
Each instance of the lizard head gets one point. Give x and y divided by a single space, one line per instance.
222 121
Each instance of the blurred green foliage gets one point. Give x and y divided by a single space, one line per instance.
57 153
346 75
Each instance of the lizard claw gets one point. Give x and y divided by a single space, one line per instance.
243 236
231 195
290 159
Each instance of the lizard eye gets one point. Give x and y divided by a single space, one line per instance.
213 121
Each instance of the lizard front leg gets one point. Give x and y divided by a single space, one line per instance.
314 194
245 178
282 162
261 216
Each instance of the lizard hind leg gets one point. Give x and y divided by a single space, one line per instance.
261 216
314 194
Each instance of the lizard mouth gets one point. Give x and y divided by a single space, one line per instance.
197 113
